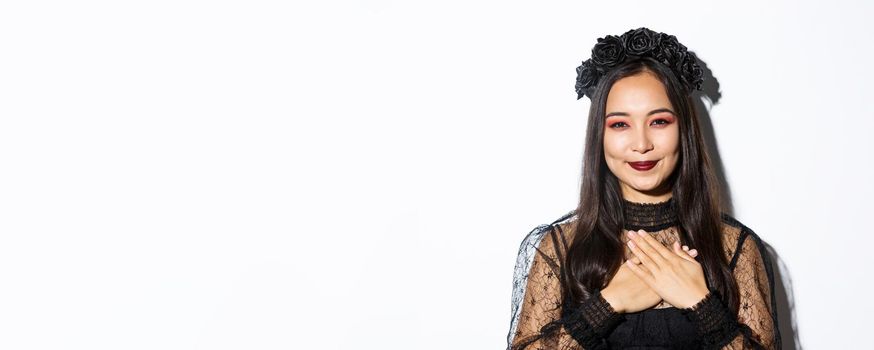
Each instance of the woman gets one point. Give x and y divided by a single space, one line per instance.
618 271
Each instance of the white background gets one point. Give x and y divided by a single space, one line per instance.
339 174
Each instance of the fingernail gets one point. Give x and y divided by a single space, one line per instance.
641 233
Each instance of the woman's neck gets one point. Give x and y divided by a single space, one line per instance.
649 217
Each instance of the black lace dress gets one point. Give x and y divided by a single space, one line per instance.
539 320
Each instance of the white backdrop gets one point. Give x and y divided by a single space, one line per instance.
265 175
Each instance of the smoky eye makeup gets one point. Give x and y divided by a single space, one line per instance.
616 124
662 120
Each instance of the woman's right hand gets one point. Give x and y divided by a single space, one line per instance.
628 293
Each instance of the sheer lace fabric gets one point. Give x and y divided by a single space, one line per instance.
542 320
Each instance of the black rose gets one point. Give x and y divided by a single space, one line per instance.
677 60
640 41
668 49
691 72
587 76
608 52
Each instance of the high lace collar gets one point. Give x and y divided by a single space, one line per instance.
649 217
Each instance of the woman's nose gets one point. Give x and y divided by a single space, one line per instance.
642 143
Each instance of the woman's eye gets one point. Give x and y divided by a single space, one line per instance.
614 125
663 122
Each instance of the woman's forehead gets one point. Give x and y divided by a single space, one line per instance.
637 95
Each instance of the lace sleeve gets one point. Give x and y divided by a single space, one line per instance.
755 325
540 318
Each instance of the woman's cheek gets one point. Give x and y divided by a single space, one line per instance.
615 141
668 139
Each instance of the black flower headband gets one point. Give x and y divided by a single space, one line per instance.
611 50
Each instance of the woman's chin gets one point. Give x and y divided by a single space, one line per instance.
644 187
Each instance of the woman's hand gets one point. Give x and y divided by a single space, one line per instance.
671 273
691 252
626 292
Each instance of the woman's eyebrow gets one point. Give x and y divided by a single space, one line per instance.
654 111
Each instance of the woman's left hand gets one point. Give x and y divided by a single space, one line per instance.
674 275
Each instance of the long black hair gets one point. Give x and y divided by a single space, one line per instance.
596 251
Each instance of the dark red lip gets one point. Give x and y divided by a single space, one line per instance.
642 166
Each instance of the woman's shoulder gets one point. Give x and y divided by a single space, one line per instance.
738 238
545 235
733 227
565 223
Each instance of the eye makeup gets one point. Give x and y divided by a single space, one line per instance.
616 124
657 121
668 119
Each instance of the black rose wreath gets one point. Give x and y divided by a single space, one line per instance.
611 50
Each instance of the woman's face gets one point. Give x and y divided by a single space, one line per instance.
641 126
